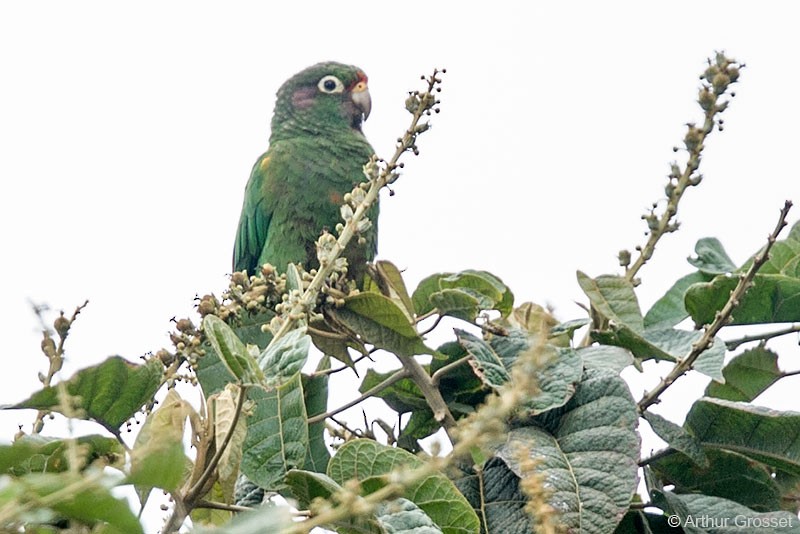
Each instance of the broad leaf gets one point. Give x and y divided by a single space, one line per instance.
157 458
315 391
485 361
768 436
39 454
392 285
229 348
224 406
403 396
587 451
402 516
711 257
110 392
677 438
614 299
747 376
380 322
307 486
79 499
211 371
497 499
726 474
277 434
607 357
435 494
283 359
266 519
461 294
667 344
773 298
670 310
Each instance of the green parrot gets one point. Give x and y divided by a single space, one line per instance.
316 154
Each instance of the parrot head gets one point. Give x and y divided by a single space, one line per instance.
323 98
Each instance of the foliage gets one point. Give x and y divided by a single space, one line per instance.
543 432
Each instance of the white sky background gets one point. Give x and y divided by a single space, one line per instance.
127 136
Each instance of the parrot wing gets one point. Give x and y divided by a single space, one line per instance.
254 221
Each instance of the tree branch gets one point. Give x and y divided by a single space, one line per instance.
721 319
735 343
396 377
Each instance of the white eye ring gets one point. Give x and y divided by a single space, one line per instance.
330 84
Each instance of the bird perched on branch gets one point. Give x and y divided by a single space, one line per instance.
316 154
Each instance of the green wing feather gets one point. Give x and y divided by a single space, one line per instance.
254 221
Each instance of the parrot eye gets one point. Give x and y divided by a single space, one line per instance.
330 84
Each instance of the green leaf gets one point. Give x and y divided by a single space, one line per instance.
678 343
667 344
294 282
556 380
495 495
224 406
283 359
307 486
485 361
334 345
747 376
726 474
607 357
109 393
464 304
677 438
403 396
39 454
457 294
731 516
435 494
228 347
277 434
784 256
79 499
711 257
402 516
613 298
266 519
587 451
670 310
315 391
209 516
211 371
569 327
483 283
393 286
421 296
381 323
768 436
773 298
157 458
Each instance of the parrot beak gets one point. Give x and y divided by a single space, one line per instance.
360 97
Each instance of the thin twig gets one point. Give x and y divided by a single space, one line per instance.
437 376
324 372
432 327
721 319
735 343
396 377
212 505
